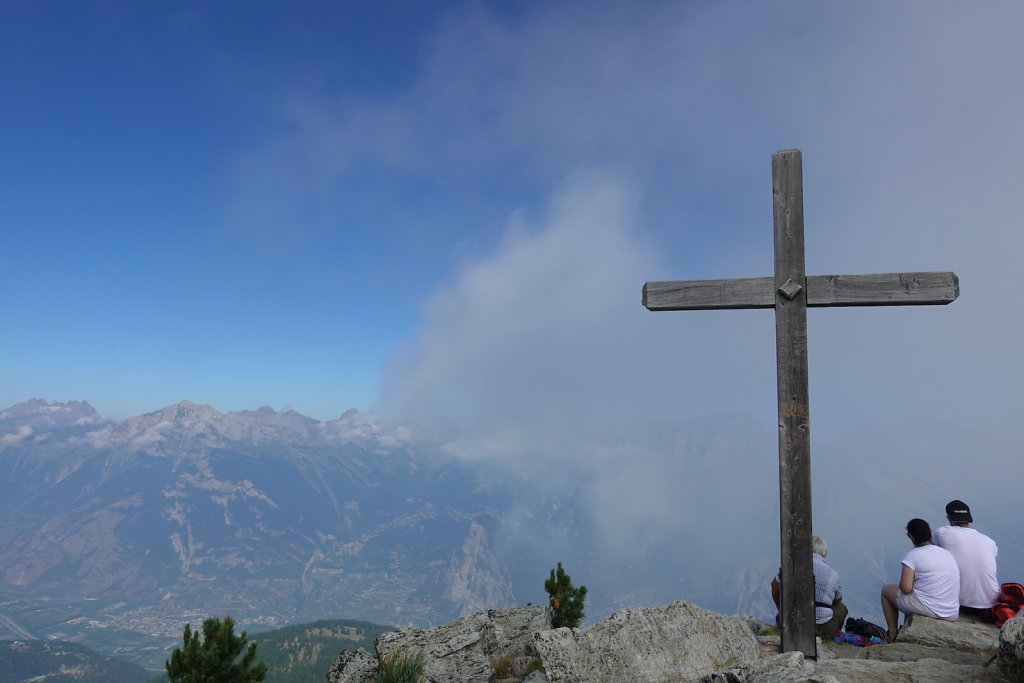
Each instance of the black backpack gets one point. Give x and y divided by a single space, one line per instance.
863 627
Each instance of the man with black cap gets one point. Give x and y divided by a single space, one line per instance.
975 555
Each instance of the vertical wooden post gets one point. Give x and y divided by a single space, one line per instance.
794 424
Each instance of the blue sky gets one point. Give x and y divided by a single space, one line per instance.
444 212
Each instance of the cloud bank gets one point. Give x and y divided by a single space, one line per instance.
911 152
633 145
546 342
905 114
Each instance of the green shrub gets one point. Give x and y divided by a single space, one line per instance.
399 667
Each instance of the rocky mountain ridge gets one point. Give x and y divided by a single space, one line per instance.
37 413
189 419
683 642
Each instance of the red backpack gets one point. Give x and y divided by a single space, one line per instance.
1011 599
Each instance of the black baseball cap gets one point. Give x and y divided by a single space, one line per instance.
957 511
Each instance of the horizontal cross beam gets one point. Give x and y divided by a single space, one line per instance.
884 289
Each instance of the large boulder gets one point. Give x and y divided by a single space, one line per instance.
1011 639
1011 648
473 648
905 652
921 671
966 636
676 642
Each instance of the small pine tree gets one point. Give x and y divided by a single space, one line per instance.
566 601
214 659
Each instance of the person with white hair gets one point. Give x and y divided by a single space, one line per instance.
829 611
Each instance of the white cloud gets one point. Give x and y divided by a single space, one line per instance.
22 432
539 348
547 338
907 115
526 334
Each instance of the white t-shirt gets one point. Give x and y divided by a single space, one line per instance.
975 554
936 579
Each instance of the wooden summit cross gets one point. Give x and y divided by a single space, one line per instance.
790 292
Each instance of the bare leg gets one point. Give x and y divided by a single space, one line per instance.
889 609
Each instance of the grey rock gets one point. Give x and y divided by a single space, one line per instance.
904 652
788 666
823 649
522 664
682 642
769 645
353 666
922 671
1011 638
757 626
462 650
965 636
791 668
676 642
1011 648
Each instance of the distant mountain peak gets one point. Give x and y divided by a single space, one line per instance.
353 425
187 409
156 431
39 413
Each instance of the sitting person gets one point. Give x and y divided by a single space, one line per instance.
929 583
975 555
829 610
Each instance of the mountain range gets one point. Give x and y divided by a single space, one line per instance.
116 533
272 517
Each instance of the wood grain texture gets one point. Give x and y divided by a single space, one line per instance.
797 609
881 289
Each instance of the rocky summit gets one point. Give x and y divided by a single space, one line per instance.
683 642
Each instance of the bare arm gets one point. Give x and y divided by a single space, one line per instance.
907 579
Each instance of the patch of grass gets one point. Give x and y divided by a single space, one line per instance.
502 666
399 667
